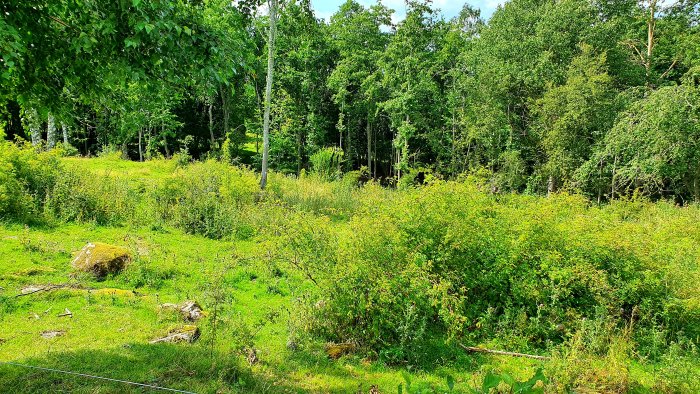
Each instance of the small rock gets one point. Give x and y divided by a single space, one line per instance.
101 259
52 334
188 333
336 351
34 289
292 345
189 310
252 356
65 313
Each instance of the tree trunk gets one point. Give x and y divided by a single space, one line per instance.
651 28
165 141
375 156
300 151
64 128
211 127
612 182
225 111
51 132
369 145
34 126
551 185
268 91
140 145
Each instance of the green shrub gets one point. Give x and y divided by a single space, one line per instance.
205 198
327 162
26 178
83 196
525 270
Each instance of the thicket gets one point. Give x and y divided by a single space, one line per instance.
396 271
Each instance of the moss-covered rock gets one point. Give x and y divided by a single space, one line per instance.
101 259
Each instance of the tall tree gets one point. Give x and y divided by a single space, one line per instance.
355 81
268 91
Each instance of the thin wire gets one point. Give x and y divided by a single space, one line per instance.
98 377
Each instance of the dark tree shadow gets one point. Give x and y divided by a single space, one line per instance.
178 367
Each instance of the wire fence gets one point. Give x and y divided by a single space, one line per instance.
143 385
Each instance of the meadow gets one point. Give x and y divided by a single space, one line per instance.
334 284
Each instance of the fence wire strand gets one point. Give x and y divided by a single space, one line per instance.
150 386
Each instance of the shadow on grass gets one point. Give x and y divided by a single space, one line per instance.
172 366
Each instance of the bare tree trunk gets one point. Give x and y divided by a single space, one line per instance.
225 111
165 140
268 91
51 132
651 28
211 127
64 128
612 183
34 126
369 145
140 144
551 185
375 156
300 151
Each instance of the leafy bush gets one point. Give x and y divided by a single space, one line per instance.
327 163
26 178
82 196
450 259
205 198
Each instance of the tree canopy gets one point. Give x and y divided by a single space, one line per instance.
592 96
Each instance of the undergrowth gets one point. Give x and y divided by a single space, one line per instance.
406 275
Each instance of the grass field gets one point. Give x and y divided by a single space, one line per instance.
251 297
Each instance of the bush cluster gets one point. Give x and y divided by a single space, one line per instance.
450 260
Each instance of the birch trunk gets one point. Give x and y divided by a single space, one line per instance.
268 91
211 127
369 146
64 128
140 145
51 132
34 126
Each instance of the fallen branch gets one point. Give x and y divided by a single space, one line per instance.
41 288
502 353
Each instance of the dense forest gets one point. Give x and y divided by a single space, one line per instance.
594 96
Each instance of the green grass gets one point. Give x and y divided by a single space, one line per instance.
109 334
253 296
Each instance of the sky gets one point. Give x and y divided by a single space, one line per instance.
325 8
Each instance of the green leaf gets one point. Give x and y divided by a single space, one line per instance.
135 3
507 379
490 381
450 382
407 379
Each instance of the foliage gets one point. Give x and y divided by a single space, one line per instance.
574 95
492 381
26 179
402 274
327 162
